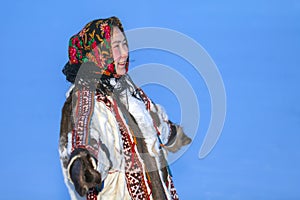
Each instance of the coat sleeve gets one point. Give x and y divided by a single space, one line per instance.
83 110
75 132
171 135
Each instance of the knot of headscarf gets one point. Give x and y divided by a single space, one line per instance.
93 44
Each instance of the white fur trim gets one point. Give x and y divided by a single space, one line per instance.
145 123
163 128
71 162
69 90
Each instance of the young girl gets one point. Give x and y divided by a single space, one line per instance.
113 140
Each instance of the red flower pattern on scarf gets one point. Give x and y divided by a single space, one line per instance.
92 44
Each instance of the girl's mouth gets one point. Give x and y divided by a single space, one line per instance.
122 63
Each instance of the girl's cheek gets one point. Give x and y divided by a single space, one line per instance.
116 54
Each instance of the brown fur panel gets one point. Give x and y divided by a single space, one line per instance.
65 125
151 166
155 117
82 171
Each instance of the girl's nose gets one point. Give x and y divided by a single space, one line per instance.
124 51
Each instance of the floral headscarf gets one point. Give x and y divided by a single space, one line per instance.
93 44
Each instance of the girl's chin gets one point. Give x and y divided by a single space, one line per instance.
121 71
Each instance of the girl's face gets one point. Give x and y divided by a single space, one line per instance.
119 50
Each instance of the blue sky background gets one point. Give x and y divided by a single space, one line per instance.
255 45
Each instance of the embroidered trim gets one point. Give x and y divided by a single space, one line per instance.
84 111
135 178
145 98
170 184
92 194
103 98
172 188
